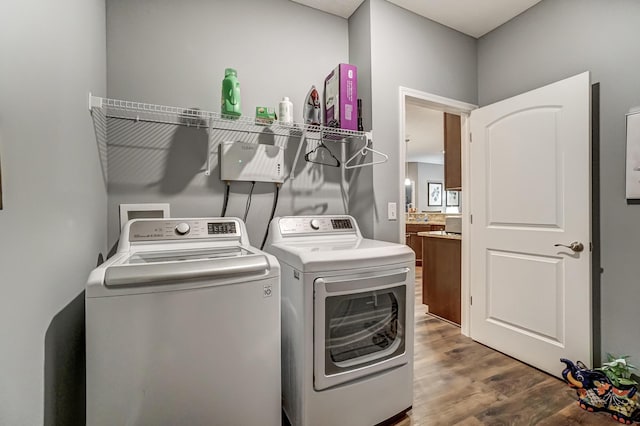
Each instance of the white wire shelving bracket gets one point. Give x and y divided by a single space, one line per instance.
195 117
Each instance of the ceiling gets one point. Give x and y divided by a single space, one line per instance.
424 134
424 127
472 17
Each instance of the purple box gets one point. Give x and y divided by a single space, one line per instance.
341 97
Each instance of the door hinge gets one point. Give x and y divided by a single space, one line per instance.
590 246
470 137
471 301
471 218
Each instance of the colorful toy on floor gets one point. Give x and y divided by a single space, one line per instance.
596 392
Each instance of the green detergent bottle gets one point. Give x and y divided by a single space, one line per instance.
230 94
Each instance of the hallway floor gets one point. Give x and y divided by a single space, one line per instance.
459 381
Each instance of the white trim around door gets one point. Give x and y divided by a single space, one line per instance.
463 109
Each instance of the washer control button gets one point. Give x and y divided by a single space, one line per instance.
315 224
182 228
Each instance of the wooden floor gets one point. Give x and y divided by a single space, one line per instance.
459 381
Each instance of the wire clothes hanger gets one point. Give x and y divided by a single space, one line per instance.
365 149
310 158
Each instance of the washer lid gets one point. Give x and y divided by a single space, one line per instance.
182 255
173 270
146 274
328 255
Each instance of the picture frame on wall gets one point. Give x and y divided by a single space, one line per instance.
434 194
0 184
453 198
633 156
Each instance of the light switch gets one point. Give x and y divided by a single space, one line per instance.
392 211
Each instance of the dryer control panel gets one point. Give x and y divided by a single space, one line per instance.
317 224
175 229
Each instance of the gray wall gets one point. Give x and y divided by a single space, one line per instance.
421 174
53 224
175 53
411 51
556 39
428 172
361 179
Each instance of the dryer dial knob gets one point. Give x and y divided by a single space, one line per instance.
182 228
315 224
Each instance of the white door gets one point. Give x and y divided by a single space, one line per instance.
530 190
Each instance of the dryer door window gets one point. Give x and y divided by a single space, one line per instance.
359 326
362 328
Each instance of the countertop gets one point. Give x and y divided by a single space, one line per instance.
440 234
427 218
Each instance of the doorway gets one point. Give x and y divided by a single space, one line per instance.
515 141
435 104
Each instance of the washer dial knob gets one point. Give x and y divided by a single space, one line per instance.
315 224
182 228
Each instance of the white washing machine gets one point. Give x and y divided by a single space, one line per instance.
347 322
183 328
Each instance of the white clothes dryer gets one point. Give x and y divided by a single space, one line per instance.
183 328
347 322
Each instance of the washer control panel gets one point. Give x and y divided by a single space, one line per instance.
183 228
316 224
177 229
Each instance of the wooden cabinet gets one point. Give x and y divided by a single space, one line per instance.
441 277
452 152
414 241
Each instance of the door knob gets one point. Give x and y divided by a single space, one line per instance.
575 246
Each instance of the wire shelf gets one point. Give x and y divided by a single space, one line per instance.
138 111
195 117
